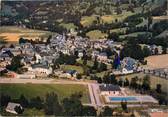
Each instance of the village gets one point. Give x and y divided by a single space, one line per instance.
48 60
84 58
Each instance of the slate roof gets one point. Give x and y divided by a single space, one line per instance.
109 87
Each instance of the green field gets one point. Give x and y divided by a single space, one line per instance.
32 90
134 34
112 18
118 30
79 69
87 20
68 26
96 34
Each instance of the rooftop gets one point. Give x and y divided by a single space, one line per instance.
109 87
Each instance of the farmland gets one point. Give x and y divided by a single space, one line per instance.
13 33
96 34
155 62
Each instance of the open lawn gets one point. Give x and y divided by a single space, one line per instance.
89 62
32 90
96 34
68 26
87 20
113 18
134 34
13 33
79 69
118 30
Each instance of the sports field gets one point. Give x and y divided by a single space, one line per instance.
32 90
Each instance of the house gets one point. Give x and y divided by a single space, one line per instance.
80 54
109 89
6 55
11 107
40 70
126 71
102 57
129 65
156 49
71 73
27 76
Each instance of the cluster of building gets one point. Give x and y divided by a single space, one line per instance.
38 58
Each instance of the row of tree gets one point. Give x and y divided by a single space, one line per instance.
71 106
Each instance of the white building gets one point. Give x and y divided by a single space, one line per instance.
11 107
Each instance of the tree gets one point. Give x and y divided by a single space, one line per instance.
120 82
159 88
95 65
84 61
4 99
3 41
133 83
72 106
36 102
107 111
113 79
52 106
3 72
99 80
23 101
15 63
164 50
132 49
48 39
22 40
66 59
102 67
126 82
146 83
76 53
106 78
11 46
124 105
79 76
113 36
156 51
18 109
88 111
146 51
108 51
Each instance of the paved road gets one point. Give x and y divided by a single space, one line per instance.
40 81
92 99
95 88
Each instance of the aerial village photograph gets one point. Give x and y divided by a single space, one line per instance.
84 58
